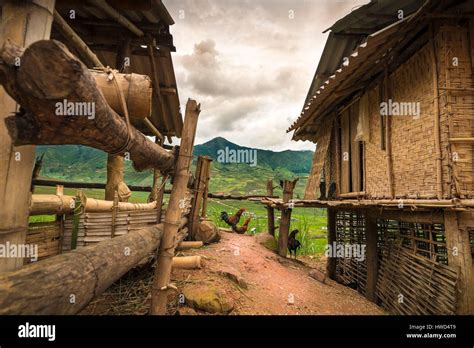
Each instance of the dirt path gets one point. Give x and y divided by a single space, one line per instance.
274 285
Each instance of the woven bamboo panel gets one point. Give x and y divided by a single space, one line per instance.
96 227
457 108
46 235
350 229
414 276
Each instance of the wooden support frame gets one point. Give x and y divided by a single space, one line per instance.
288 187
207 177
161 279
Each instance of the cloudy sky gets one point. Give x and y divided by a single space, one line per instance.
250 63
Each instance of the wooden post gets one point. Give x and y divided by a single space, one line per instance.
388 136
115 162
161 279
459 256
371 256
270 210
288 187
22 22
331 261
207 173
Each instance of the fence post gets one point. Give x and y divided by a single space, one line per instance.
270 210
288 187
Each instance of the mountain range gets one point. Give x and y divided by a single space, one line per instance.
81 163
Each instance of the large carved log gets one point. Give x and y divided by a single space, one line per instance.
61 104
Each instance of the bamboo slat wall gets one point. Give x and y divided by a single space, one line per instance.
413 263
457 107
47 236
96 227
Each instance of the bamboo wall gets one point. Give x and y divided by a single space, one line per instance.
412 138
414 276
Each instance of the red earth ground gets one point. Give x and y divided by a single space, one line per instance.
274 285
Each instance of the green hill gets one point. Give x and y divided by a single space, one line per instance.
80 163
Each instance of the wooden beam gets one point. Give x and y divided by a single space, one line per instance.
288 187
270 210
205 194
23 23
331 261
48 73
388 137
117 16
371 236
161 279
459 256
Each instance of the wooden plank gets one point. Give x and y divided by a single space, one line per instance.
355 150
331 261
22 22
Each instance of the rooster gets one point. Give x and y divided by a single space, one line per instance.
234 219
242 229
293 243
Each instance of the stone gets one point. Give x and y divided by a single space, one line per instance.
234 275
208 299
267 240
187 311
318 275
207 232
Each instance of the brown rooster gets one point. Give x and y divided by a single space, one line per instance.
242 229
234 219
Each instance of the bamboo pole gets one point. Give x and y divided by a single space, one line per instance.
22 22
161 279
186 245
117 16
437 136
288 187
270 210
55 204
76 41
187 262
388 136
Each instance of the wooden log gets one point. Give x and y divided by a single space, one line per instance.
331 261
49 77
22 22
66 283
186 245
352 194
270 210
371 257
187 262
198 193
288 187
54 204
114 176
137 90
459 257
161 279
117 16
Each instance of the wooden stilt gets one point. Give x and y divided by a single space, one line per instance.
331 261
270 210
22 22
161 279
205 194
288 187
371 256
459 256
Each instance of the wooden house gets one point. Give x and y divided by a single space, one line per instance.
391 109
